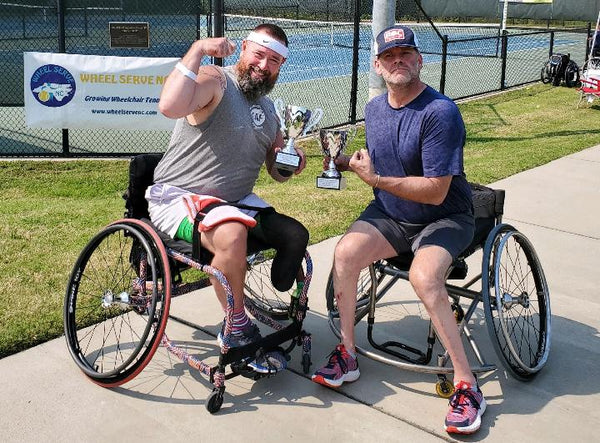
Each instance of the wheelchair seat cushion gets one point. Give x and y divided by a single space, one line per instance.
213 211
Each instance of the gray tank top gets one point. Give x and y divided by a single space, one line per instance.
222 156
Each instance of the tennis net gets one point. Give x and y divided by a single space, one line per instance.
303 33
470 40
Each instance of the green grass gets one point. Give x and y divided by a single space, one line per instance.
50 209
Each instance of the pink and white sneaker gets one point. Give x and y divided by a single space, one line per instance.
467 405
341 367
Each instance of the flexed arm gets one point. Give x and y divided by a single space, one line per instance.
429 190
183 94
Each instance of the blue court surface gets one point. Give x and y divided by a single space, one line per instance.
319 50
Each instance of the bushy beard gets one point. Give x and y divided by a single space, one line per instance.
254 88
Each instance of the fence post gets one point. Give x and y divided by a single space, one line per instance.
503 55
587 41
60 5
551 44
444 61
355 44
218 25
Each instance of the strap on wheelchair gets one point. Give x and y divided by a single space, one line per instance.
200 254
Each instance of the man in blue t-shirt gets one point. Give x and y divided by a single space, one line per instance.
414 162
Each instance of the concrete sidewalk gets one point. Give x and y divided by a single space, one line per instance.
44 397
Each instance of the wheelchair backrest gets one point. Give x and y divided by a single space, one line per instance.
560 61
487 202
488 207
141 175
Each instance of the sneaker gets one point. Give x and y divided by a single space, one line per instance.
269 363
466 408
249 334
340 368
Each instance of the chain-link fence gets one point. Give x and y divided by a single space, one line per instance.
328 66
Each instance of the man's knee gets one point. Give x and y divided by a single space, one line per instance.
428 284
346 256
229 239
298 237
290 252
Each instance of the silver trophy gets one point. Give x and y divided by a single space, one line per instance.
333 143
295 122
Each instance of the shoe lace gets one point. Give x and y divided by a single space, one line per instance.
462 399
336 357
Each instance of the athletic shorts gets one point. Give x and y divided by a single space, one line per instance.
453 233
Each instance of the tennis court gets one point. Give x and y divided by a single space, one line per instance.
317 74
319 49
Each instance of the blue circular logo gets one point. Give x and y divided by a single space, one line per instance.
52 86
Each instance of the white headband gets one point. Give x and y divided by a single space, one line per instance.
268 42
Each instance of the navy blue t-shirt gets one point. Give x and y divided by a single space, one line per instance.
425 139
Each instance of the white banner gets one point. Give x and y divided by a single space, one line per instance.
91 91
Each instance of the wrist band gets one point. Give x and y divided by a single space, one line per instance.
377 181
185 71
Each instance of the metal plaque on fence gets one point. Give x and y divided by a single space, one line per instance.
129 34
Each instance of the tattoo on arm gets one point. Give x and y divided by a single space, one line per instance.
219 77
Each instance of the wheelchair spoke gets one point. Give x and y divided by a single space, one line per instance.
517 303
111 320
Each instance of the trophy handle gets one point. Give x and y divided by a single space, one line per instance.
279 110
315 118
351 134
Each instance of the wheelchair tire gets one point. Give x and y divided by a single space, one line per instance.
259 289
117 302
516 302
215 400
546 75
306 363
571 74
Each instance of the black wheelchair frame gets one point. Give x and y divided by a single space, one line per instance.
119 293
559 68
514 293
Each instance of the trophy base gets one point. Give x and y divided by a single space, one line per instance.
286 161
337 183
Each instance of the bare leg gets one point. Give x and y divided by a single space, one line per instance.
227 242
427 276
357 249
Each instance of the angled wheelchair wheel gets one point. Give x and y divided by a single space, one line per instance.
117 302
546 74
259 289
571 74
516 302
366 279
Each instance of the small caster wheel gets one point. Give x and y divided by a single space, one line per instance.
306 363
214 400
444 388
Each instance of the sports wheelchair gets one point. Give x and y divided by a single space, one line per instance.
513 291
119 293
559 68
